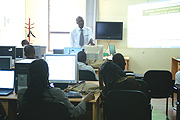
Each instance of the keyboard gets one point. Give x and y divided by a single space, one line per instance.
73 94
5 92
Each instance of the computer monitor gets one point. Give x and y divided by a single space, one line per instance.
5 62
62 68
20 53
8 51
112 49
94 52
58 51
39 51
71 50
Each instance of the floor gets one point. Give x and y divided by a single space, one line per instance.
159 109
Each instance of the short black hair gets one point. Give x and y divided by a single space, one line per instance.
24 42
118 58
29 51
82 56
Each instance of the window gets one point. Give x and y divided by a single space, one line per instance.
62 20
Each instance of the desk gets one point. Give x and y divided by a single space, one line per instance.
175 66
94 104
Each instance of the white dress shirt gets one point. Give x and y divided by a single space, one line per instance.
177 79
83 66
75 36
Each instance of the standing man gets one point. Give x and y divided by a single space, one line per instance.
81 35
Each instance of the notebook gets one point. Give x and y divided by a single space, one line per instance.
6 82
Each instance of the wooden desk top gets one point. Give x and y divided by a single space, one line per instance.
13 96
176 58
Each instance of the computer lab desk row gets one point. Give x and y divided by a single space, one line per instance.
93 111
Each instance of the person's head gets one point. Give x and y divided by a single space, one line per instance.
109 72
82 56
118 58
38 82
80 21
24 42
29 52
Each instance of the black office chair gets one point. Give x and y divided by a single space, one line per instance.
160 84
3 115
143 86
87 75
178 105
126 105
44 111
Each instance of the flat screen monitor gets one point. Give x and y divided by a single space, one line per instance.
5 62
19 52
71 50
8 51
94 51
109 30
62 68
58 51
112 49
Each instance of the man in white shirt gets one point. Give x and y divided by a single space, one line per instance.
81 35
177 79
83 66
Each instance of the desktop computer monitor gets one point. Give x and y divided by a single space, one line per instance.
5 62
94 52
112 49
39 51
8 51
20 53
58 51
71 50
62 68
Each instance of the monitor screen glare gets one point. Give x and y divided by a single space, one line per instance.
62 68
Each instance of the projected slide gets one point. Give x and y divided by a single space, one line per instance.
154 25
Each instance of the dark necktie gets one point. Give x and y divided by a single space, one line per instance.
81 42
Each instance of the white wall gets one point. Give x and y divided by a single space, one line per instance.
12 22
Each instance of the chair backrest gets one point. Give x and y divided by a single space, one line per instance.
86 75
126 105
44 111
159 82
3 115
143 86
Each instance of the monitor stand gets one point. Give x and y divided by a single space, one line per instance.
61 85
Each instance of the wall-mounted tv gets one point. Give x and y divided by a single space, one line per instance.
109 30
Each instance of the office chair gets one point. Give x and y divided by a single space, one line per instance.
126 105
3 115
160 84
178 105
44 111
87 75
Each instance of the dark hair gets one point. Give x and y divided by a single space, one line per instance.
82 56
29 52
38 73
119 60
109 72
24 42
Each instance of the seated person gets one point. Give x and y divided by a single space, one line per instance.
39 90
29 52
82 63
177 79
118 58
114 78
24 42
